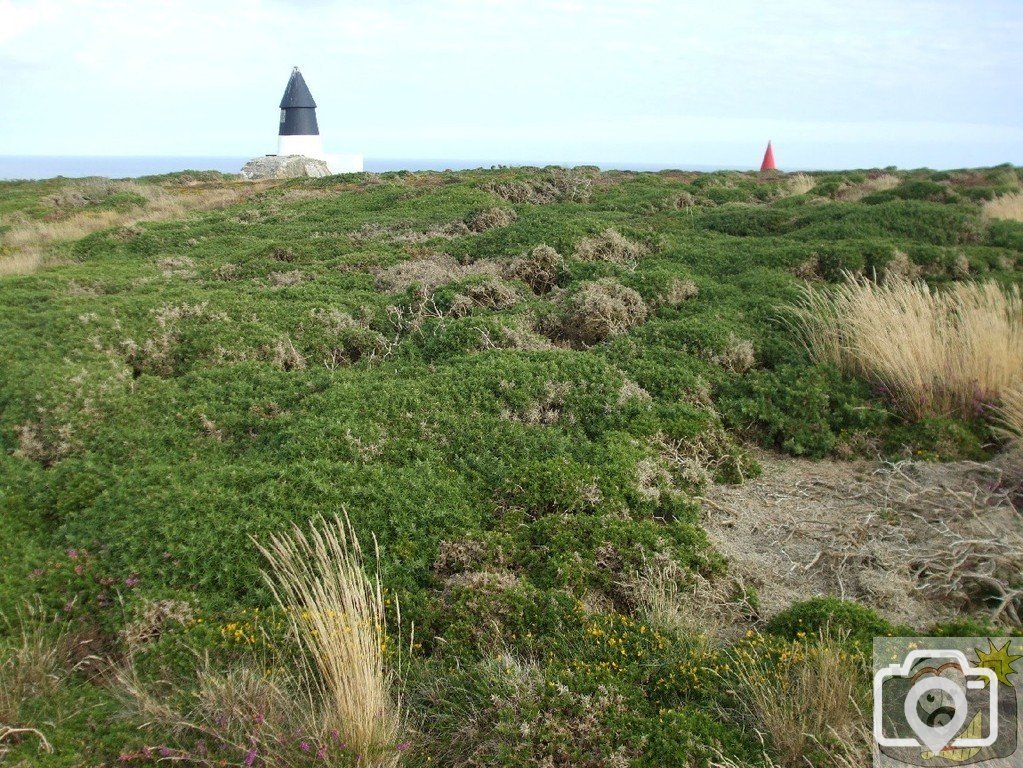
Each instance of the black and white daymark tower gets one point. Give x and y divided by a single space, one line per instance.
299 134
299 131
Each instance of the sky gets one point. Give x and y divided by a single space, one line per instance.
857 84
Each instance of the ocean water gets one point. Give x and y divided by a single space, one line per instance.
47 167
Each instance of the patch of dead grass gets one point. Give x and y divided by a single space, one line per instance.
1009 206
934 351
28 242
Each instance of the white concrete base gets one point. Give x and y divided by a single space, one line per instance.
306 146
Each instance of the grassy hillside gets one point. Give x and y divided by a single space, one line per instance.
520 381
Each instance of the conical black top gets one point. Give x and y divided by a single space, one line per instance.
297 93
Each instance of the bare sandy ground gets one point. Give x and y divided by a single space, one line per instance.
919 542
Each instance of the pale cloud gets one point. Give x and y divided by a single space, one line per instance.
17 17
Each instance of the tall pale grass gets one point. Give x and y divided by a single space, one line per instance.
32 665
1008 206
1011 412
28 241
948 351
337 612
807 697
800 183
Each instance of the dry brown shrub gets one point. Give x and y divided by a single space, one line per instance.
492 293
153 618
573 734
157 354
491 218
600 310
934 351
737 356
430 272
630 391
611 246
226 272
653 480
880 183
458 556
547 408
809 270
287 279
681 602
177 266
44 441
677 292
1009 206
555 186
514 333
541 269
703 459
285 356
902 267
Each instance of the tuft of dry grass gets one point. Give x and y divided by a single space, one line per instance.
337 612
332 699
933 351
805 698
28 242
1010 414
687 605
1008 206
800 183
32 666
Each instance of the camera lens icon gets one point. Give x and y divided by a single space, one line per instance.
938 691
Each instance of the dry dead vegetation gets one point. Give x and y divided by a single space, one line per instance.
556 186
850 192
26 244
919 542
405 232
32 667
610 246
1008 206
935 351
600 310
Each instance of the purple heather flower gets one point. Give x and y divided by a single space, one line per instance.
303 745
250 758
165 752
321 753
73 554
403 746
132 581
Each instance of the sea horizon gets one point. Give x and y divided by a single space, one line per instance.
35 167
